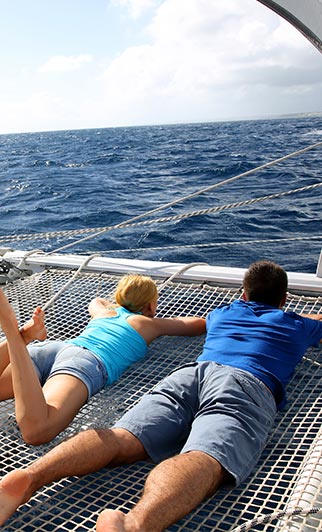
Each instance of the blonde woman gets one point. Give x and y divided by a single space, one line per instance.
52 380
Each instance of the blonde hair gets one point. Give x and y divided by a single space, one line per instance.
134 291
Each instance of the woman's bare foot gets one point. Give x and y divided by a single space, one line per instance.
115 521
15 489
7 315
34 329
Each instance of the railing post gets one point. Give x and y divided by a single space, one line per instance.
319 266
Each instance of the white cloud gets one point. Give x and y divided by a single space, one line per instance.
63 63
210 59
40 106
198 60
136 7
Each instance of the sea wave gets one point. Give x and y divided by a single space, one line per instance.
66 180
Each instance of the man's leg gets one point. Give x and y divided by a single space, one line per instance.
173 489
84 453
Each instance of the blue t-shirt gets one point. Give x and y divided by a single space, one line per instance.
114 341
264 340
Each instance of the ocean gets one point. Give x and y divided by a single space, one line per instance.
92 178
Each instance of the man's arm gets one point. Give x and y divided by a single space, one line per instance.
313 317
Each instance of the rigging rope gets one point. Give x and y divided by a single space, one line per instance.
217 244
267 518
131 221
88 259
181 270
185 215
177 217
202 191
66 285
182 216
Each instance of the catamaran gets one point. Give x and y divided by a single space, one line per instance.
285 492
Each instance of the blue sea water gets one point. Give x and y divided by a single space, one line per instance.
67 180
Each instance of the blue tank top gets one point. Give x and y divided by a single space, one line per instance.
113 341
260 339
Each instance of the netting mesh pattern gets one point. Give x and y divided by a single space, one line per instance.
74 503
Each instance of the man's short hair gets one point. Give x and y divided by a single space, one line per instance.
265 282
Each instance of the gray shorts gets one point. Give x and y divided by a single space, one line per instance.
219 410
56 357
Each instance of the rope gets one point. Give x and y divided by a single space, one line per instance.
131 222
88 259
275 515
64 288
217 244
181 270
178 217
197 193
182 216
28 254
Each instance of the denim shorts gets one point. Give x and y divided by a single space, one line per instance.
55 357
224 412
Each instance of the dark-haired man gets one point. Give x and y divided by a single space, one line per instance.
205 424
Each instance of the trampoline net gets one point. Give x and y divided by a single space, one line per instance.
287 473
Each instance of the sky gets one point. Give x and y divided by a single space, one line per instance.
74 64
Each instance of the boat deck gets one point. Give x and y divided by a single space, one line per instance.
288 473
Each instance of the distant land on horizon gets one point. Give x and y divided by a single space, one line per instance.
245 119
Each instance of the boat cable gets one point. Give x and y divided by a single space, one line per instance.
94 255
66 285
99 231
267 518
216 244
130 222
180 271
210 210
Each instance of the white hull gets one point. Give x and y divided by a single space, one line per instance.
299 283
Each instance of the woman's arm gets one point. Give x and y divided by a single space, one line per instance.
183 326
99 307
151 328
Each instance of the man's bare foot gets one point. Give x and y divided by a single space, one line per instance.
34 329
14 491
115 521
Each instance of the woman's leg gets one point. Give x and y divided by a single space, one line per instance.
63 396
41 413
34 329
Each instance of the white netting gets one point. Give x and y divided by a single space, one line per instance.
73 504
